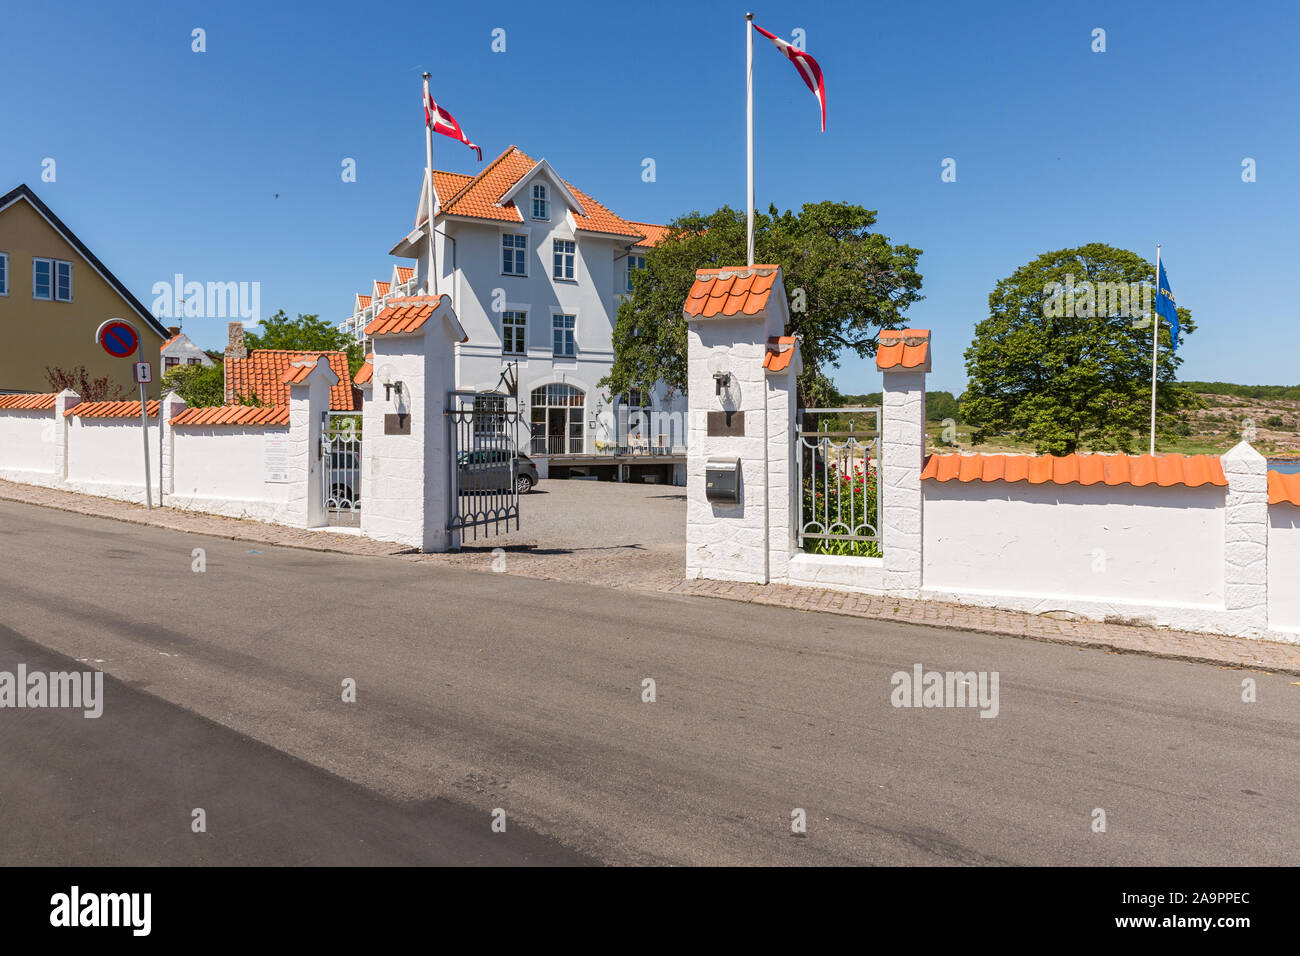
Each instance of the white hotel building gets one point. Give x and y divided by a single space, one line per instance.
536 270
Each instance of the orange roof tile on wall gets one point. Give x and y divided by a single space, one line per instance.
28 403
366 372
902 348
1138 470
1283 488
780 350
233 415
404 315
112 410
262 375
730 291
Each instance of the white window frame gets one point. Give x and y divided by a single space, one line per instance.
522 326
4 261
502 247
561 259
544 198
54 265
557 314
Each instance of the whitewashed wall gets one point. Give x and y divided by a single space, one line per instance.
105 457
28 440
1117 550
1284 569
221 470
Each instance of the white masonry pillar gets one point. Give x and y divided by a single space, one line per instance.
172 405
904 359
309 384
65 400
1245 540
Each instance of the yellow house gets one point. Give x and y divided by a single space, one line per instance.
54 293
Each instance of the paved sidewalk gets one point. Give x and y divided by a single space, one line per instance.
658 566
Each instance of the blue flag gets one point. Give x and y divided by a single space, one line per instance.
1166 307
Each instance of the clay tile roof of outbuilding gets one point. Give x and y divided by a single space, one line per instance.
652 235
1162 470
404 315
1283 488
730 291
366 372
779 352
262 374
29 403
902 348
167 342
232 415
112 409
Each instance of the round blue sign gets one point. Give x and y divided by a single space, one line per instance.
119 339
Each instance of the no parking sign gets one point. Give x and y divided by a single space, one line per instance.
119 339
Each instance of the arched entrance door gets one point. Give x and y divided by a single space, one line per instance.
556 417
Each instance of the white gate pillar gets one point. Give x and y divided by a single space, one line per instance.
406 491
309 381
904 359
172 405
65 400
736 416
1245 540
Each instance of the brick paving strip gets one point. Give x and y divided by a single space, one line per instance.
616 567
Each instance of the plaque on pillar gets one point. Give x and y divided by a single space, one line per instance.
726 425
397 424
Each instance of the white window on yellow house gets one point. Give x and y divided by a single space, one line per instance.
52 280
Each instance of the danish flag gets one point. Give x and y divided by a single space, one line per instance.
806 65
440 121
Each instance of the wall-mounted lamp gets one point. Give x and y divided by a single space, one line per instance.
391 385
721 380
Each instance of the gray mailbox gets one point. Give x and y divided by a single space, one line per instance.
722 479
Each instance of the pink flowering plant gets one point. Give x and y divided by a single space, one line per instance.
840 502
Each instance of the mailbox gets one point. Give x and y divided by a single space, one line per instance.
722 479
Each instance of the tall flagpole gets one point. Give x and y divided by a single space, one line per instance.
431 286
1155 347
749 132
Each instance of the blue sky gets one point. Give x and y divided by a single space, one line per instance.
171 161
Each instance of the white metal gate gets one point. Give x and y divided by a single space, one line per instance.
838 459
341 467
483 430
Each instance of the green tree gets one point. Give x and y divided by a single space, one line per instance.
199 385
307 333
845 283
1065 378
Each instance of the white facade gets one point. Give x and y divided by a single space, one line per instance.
179 350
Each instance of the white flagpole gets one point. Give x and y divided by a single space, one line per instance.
749 131
431 286
1155 347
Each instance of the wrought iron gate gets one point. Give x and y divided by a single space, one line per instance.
483 430
341 467
838 459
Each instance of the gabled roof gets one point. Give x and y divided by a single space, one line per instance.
730 291
1139 470
28 403
381 289
408 314
263 372
481 196
23 191
404 273
363 302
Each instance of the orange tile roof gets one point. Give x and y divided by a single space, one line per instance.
730 291
1283 488
1163 470
366 372
167 342
902 348
262 374
233 415
381 288
404 273
478 197
404 315
29 403
363 302
779 353
112 409
298 371
446 185
653 235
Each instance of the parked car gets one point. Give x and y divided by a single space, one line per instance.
345 480
489 470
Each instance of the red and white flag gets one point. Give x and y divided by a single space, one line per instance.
806 65
440 121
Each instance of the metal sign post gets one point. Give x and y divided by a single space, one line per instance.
120 339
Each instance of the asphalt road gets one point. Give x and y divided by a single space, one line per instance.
478 690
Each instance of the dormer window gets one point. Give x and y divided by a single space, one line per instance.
541 203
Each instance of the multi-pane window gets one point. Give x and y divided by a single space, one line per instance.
562 332
193 361
52 279
564 251
513 325
514 254
541 204
170 361
4 274
633 263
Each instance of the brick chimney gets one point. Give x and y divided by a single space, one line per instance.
234 350
173 330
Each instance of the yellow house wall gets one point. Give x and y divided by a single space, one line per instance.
35 333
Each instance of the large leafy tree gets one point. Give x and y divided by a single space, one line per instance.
1068 374
199 385
844 281
305 333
